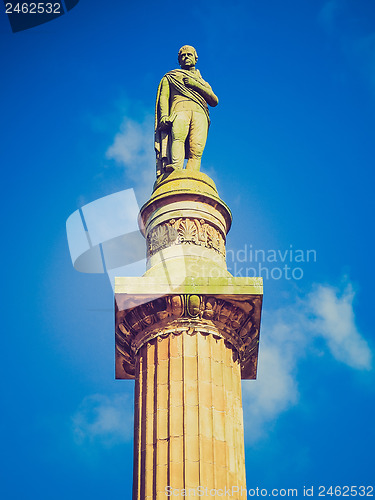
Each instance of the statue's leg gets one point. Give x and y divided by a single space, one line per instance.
180 129
197 140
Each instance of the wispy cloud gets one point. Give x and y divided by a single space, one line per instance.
287 337
107 420
132 149
334 321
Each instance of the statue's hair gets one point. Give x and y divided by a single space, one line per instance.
188 47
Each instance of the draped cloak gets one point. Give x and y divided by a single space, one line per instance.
163 137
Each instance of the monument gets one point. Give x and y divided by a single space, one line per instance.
186 331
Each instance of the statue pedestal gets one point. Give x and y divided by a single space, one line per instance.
187 331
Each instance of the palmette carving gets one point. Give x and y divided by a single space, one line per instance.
237 322
185 231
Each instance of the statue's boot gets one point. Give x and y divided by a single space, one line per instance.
193 164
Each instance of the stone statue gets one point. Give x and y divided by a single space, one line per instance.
181 115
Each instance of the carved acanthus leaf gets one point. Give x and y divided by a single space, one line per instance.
185 231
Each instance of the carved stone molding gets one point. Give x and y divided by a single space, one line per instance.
234 319
185 231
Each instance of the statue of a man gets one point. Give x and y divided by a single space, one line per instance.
181 115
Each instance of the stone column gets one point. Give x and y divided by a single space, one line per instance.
187 331
188 415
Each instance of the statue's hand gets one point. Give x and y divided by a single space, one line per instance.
164 123
189 82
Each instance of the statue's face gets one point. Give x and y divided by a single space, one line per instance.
187 58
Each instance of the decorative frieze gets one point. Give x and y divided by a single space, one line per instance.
236 321
183 230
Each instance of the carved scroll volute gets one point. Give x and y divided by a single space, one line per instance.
224 312
124 352
209 309
133 320
238 317
146 312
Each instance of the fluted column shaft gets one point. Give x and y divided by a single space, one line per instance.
188 416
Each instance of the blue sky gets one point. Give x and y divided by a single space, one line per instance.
291 149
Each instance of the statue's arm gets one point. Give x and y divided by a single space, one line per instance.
204 90
164 102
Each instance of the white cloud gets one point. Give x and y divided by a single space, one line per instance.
104 419
132 148
334 321
287 336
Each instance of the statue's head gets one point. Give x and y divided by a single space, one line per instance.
187 56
